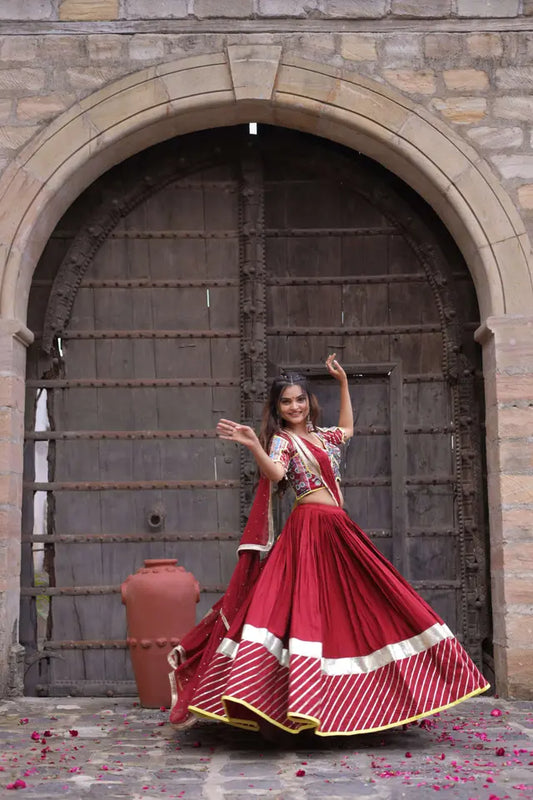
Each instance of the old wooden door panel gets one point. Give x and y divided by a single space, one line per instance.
126 408
154 354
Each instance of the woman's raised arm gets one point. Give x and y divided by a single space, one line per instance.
346 412
243 434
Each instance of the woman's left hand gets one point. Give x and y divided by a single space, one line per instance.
335 369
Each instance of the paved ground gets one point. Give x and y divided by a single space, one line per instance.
101 748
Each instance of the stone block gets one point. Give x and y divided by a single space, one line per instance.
411 81
402 51
519 590
42 107
91 78
105 47
254 69
443 46
517 165
155 9
10 489
12 137
358 47
525 196
88 10
513 107
528 8
516 456
353 9
190 45
513 421
461 110
465 80
492 138
10 519
429 8
520 631
518 490
229 8
11 457
513 78
12 391
488 8
484 45
520 673
6 107
517 523
511 388
65 49
12 351
286 8
18 48
146 47
6 424
17 10
21 81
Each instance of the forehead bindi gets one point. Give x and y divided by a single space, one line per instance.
293 393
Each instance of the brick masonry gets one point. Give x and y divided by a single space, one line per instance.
468 62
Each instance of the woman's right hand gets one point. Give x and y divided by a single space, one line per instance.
234 432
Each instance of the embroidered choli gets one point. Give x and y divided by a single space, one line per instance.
301 479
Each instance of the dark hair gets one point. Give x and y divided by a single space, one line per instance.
271 422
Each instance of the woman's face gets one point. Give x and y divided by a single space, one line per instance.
293 405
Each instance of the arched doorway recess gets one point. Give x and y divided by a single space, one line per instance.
164 299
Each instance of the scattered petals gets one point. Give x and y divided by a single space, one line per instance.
18 784
300 773
23 721
500 751
496 712
73 732
36 736
408 755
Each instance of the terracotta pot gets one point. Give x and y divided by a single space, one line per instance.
160 601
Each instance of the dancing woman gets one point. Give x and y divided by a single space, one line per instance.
324 633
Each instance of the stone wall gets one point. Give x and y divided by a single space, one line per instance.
468 63
471 69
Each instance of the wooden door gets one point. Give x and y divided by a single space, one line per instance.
167 296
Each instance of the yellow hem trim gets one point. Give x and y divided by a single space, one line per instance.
263 715
248 725
314 722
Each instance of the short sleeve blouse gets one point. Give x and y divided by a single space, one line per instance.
303 482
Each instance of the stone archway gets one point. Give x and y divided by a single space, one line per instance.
260 83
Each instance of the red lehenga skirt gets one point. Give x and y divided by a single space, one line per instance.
331 638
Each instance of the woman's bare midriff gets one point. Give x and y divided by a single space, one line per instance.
321 496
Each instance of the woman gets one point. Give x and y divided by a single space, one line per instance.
325 634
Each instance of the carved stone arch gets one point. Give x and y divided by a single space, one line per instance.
223 89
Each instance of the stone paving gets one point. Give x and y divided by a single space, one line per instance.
101 747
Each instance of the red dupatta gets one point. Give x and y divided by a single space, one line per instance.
190 659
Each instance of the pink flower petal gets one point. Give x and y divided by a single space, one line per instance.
300 773
496 712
